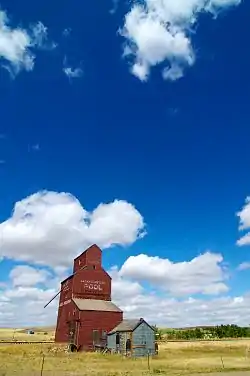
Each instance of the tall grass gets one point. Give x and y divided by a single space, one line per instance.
173 359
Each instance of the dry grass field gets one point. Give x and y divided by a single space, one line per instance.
41 334
175 358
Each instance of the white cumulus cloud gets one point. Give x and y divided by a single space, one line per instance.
137 301
159 32
244 266
24 275
244 218
203 274
51 228
17 45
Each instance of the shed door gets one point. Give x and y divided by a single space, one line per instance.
140 341
72 332
140 346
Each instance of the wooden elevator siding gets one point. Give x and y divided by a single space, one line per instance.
92 257
63 311
96 320
85 282
89 283
65 314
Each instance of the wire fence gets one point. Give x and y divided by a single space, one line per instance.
75 364
67 364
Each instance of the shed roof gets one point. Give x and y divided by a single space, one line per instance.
129 325
95 305
126 326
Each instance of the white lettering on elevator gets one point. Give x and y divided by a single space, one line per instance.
93 285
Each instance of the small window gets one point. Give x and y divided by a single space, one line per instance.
117 339
93 266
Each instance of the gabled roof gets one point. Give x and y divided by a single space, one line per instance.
129 325
86 250
125 326
85 267
95 305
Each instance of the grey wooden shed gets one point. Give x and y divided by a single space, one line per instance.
132 337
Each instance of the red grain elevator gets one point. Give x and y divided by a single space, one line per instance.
86 313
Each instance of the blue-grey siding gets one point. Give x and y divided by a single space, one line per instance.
143 336
111 341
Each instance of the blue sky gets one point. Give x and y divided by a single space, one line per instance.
105 102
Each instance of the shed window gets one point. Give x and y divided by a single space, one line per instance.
117 339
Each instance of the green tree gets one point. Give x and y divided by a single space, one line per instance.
158 333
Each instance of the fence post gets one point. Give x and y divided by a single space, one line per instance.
42 365
246 352
222 362
148 361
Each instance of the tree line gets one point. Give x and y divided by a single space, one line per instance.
215 332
